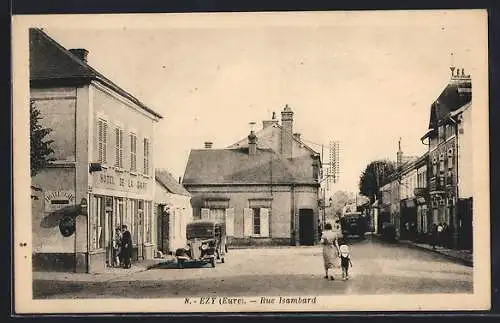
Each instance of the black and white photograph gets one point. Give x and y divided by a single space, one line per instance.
251 162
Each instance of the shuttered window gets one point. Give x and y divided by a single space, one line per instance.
230 222
118 147
205 214
256 222
146 156
133 152
102 140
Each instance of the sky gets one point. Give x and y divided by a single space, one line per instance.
365 79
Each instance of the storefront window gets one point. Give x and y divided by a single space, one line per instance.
97 218
147 221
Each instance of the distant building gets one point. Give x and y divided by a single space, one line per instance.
173 211
102 176
263 187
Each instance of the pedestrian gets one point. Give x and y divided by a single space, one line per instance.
329 240
434 236
117 247
439 230
126 245
345 261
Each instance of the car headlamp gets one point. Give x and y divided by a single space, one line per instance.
204 246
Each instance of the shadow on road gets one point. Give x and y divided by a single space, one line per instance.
173 265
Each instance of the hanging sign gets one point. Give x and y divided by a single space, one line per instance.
67 225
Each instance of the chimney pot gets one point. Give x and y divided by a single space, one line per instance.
208 144
81 53
180 180
297 135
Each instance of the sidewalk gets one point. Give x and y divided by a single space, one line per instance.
109 274
461 256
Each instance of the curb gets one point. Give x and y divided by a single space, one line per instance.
460 260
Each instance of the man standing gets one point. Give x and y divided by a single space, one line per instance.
126 246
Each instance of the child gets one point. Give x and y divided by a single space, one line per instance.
345 261
117 247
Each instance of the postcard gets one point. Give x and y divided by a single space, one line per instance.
251 162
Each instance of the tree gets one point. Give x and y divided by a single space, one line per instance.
374 175
40 148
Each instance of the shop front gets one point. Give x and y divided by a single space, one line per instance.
116 199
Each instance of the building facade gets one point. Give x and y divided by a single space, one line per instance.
450 159
173 212
103 172
263 187
422 199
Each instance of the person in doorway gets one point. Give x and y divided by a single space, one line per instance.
126 244
329 240
117 241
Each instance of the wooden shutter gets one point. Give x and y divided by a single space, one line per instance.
205 214
247 222
264 222
104 141
230 222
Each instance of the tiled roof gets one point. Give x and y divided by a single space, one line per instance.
236 166
166 180
51 63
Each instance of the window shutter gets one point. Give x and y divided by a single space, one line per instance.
247 222
264 222
205 214
104 141
100 140
230 222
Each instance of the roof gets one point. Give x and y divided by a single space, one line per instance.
243 143
455 95
236 166
166 180
51 63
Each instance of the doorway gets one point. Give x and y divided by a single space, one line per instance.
306 227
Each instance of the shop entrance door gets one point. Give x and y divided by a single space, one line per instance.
140 229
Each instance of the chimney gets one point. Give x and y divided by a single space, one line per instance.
208 144
267 123
81 53
399 158
252 143
297 135
180 180
286 132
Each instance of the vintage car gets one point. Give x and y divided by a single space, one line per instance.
206 243
353 223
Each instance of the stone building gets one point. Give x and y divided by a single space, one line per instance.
103 172
263 187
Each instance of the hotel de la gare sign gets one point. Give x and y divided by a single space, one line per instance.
124 181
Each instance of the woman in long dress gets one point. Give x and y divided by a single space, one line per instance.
330 243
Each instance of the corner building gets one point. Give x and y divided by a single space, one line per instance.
103 141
